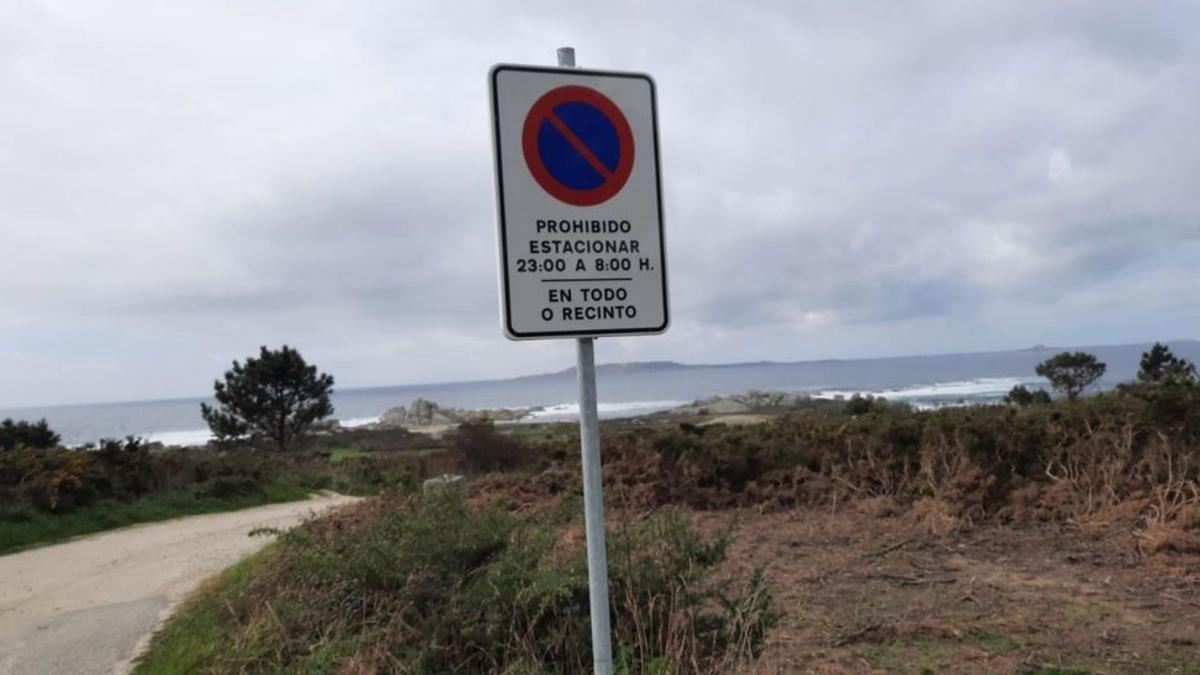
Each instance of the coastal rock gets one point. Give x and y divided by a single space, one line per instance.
751 401
426 413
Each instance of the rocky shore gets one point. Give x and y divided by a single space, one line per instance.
748 402
425 413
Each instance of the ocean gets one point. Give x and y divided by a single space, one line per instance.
632 389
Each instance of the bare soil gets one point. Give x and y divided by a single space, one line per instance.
871 589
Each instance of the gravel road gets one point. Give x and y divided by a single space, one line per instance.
87 606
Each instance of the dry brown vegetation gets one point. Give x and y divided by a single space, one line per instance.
976 540
1060 538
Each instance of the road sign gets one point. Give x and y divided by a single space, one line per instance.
579 202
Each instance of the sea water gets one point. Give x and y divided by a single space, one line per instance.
631 389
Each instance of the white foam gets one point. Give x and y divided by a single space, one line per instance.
185 438
564 411
192 437
940 393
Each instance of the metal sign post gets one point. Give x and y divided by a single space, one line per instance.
582 252
593 484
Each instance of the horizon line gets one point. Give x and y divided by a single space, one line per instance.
732 364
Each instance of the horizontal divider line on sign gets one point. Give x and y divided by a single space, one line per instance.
549 281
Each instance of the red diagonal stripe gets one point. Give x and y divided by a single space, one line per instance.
580 146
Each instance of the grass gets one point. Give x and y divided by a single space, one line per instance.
994 643
1175 664
925 654
910 655
23 526
339 455
342 454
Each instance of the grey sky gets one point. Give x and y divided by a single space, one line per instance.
181 182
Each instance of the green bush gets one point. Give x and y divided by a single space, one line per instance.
440 587
1021 396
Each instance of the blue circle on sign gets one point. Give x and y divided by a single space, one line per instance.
565 157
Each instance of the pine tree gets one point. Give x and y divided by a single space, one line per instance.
1160 366
36 435
1071 373
270 401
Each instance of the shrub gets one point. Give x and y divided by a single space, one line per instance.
1056 461
669 614
860 405
125 469
228 487
1020 396
485 449
52 480
440 587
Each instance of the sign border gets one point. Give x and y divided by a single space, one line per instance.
505 301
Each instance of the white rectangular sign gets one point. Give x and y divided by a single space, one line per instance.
579 200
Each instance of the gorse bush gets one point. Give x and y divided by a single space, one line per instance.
440 587
60 480
51 480
49 494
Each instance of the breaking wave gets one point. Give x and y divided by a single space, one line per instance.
940 394
183 438
567 411
358 422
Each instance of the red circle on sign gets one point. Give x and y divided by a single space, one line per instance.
543 111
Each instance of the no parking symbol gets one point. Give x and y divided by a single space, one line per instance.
578 145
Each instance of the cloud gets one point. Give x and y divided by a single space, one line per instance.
181 182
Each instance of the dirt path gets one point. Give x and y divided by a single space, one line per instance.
85 606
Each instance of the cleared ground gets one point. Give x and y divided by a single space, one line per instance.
865 592
86 606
